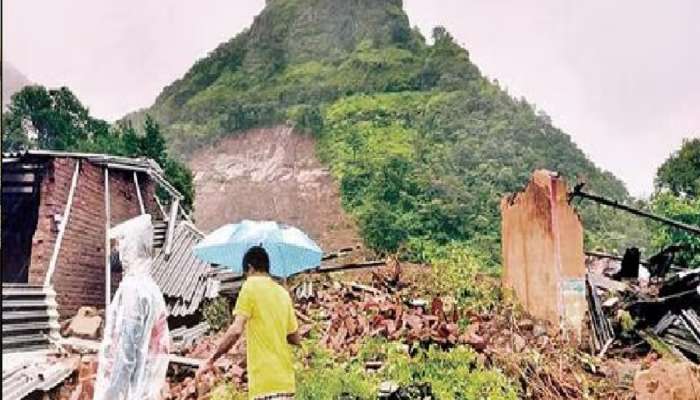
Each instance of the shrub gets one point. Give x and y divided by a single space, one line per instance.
218 313
454 374
466 274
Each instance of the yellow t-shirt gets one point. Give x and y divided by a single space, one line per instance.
271 318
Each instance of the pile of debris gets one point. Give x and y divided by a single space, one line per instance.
350 312
23 374
231 368
634 312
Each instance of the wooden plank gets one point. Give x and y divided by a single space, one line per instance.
94 346
18 177
18 189
138 193
62 227
171 226
188 361
348 267
162 209
108 265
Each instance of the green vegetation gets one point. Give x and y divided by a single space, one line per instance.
218 313
467 275
322 376
60 122
680 173
325 378
424 145
467 378
683 209
678 197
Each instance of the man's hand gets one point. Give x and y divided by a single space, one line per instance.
294 338
207 366
232 334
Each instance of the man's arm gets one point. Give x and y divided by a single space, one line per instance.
230 337
293 336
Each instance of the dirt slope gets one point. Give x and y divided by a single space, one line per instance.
270 174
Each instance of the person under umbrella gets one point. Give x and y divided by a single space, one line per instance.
264 312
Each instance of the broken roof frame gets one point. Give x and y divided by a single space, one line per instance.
577 192
142 165
145 165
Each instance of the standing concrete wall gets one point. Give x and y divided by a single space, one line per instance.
543 258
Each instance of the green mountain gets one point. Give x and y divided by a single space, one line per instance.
422 143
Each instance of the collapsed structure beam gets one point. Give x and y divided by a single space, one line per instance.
613 203
171 226
62 227
138 193
108 266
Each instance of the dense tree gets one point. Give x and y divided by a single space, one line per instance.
680 173
55 119
153 142
683 209
678 197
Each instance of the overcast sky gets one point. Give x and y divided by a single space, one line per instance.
621 77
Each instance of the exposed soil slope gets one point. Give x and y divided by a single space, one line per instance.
270 174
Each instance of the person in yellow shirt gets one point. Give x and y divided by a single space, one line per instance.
264 311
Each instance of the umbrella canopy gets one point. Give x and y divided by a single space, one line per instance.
290 250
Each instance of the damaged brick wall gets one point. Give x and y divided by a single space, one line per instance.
543 258
79 276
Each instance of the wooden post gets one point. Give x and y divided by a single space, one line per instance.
171 226
108 266
138 193
62 226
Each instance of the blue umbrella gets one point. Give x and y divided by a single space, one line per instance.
290 250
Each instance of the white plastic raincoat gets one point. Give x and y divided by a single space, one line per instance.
133 358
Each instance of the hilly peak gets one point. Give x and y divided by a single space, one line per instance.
302 30
421 143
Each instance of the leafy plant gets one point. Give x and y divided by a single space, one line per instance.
453 374
680 173
227 391
462 272
320 376
683 209
218 313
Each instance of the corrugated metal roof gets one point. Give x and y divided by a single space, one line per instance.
29 317
183 336
29 372
140 162
184 279
145 165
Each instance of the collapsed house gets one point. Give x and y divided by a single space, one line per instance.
623 304
57 208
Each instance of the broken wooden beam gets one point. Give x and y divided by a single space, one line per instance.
350 266
603 334
615 204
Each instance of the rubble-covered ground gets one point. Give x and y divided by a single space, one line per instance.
444 331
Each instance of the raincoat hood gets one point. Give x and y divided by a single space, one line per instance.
135 242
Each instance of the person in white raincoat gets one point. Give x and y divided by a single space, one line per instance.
133 358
